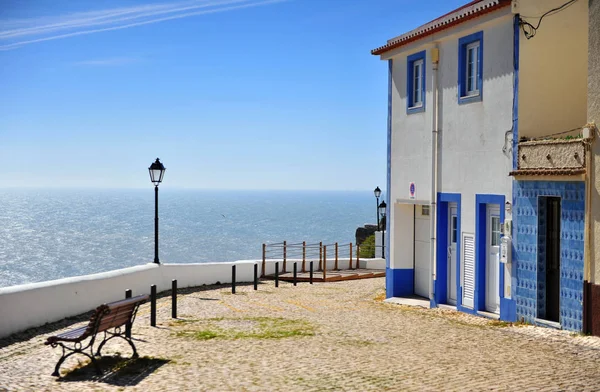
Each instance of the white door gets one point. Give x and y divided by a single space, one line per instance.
492 265
452 238
422 252
468 269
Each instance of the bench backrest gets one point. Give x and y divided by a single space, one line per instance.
114 314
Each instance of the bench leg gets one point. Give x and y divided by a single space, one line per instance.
117 335
73 351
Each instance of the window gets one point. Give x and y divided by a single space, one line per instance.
425 210
415 83
470 68
417 76
496 231
454 228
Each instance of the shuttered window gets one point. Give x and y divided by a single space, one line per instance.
468 248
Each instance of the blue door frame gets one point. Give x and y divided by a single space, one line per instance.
507 305
481 202
441 283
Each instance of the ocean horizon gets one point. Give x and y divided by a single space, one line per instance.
49 234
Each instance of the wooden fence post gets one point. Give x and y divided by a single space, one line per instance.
324 263
351 255
357 256
320 255
303 256
262 273
336 257
284 256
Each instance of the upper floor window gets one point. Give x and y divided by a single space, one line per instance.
470 68
415 83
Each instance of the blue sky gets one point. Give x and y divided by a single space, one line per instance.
230 94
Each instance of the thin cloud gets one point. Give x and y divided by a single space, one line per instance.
48 29
108 62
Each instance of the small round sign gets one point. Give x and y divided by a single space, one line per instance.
412 190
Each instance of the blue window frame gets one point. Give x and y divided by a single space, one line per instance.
470 68
415 83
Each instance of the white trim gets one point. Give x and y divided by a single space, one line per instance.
476 91
417 84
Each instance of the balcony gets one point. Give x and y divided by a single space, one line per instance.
556 157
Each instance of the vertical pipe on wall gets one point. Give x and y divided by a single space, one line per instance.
435 58
587 272
587 244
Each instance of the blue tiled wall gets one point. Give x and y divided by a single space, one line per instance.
528 254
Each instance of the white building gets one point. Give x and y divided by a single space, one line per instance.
450 142
492 89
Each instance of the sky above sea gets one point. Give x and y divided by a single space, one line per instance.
230 94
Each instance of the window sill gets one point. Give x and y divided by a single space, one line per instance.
415 109
469 99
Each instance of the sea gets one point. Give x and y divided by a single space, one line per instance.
48 234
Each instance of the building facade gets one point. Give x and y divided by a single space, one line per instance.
550 169
491 150
451 88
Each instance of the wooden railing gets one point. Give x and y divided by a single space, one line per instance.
309 252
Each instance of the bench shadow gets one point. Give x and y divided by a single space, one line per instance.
116 370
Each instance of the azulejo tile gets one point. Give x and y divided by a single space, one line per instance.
530 252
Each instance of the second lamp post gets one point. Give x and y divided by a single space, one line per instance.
377 193
382 209
157 171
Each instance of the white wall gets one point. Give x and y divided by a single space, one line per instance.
32 305
35 304
472 136
553 68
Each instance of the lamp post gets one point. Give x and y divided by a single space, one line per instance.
382 209
377 193
157 171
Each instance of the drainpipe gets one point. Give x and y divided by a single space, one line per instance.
588 134
435 59
589 131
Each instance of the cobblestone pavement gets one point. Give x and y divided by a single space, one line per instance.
324 337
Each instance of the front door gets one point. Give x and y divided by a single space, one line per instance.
452 238
553 259
492 270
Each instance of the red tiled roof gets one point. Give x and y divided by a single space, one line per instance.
548 172
460 15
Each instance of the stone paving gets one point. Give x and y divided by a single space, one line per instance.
325 337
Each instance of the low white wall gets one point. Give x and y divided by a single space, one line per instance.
32 305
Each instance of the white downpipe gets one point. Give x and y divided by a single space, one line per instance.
434 166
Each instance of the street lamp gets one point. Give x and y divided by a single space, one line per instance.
377 193
157 172
382 210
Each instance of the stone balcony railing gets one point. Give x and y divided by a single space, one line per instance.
557 157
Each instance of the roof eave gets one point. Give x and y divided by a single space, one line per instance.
402 42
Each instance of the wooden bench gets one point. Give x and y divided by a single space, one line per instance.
106 317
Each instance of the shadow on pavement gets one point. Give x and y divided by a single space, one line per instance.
116 370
